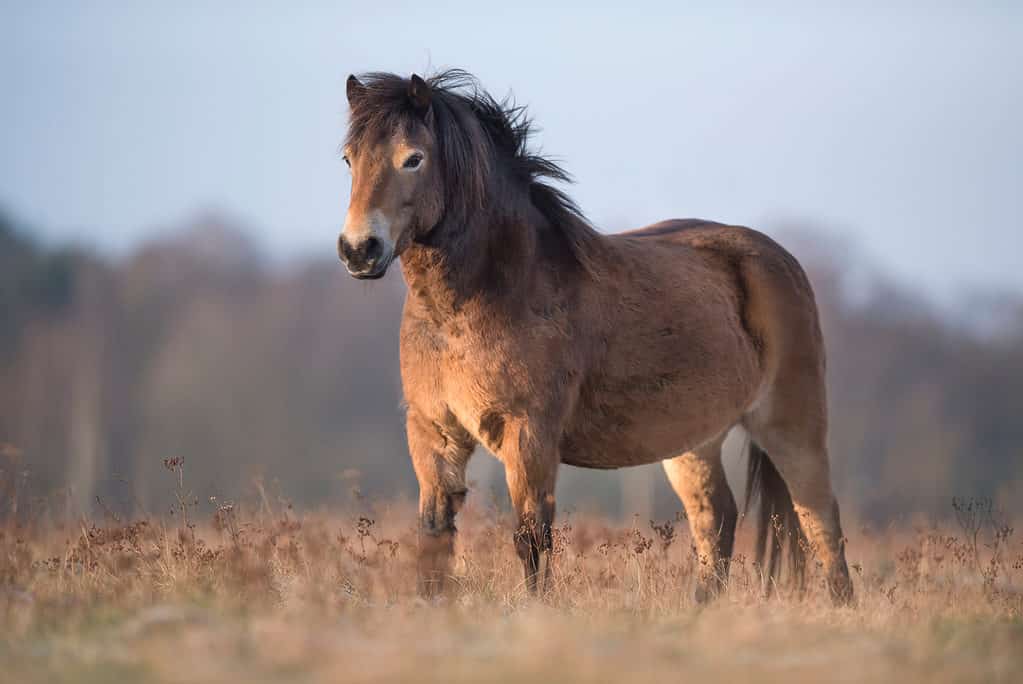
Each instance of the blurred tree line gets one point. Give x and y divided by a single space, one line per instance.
285 379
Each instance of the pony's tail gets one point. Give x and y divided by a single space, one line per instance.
776 519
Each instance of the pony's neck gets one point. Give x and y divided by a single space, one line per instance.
482 260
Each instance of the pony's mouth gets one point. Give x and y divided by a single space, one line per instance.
369 276
377 272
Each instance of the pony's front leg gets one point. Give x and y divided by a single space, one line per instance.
531 471
440 454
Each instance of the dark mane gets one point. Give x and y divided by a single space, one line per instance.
474 131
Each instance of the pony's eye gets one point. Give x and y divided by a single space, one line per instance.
413 161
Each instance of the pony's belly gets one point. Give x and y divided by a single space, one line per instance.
605 441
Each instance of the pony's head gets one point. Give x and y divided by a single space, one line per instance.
396 184
418 155
434 152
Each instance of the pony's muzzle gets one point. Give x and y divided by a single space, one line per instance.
368 259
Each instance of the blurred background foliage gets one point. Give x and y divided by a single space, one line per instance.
284 375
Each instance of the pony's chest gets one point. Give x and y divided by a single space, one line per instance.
459 363
470 376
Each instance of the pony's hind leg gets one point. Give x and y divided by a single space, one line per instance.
799 453
699 480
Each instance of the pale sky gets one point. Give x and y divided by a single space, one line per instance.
899 128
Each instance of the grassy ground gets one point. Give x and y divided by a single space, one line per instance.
274 596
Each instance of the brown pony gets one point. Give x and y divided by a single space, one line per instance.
527 331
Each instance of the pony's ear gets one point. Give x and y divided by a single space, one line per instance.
419 93
355 89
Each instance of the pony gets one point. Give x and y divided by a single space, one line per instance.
529 332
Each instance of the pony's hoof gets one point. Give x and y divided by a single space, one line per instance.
841 590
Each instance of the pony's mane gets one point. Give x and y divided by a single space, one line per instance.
468 151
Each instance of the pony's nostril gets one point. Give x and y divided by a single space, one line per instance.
374 249
344 250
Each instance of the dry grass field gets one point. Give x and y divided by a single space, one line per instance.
268 594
